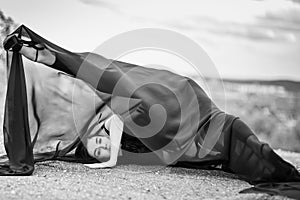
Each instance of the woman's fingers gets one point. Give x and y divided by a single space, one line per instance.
94 166
100 165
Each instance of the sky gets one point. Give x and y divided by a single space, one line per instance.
245 39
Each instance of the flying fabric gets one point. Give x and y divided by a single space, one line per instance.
168 115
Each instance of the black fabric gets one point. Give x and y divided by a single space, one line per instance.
16 132
289 189
13 43
255 161
258 164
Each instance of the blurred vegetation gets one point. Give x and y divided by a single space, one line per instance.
271 108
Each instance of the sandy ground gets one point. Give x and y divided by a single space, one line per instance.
62 180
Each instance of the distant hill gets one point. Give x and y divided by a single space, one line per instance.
292 86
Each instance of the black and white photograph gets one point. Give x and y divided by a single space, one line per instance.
139 99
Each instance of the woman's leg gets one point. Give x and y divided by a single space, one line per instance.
72 63
43 56
256 161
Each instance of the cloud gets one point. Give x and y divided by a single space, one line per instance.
277 21
285 22
102 4
283 19
280 27
295 1
254 32
97 3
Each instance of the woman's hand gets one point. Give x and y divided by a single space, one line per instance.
108 164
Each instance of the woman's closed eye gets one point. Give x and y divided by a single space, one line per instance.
98 140
97 152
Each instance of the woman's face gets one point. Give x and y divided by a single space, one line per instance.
98 146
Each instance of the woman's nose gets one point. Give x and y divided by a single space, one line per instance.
104 145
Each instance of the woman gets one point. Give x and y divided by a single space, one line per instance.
191 132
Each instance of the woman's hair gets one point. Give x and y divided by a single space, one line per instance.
82 154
